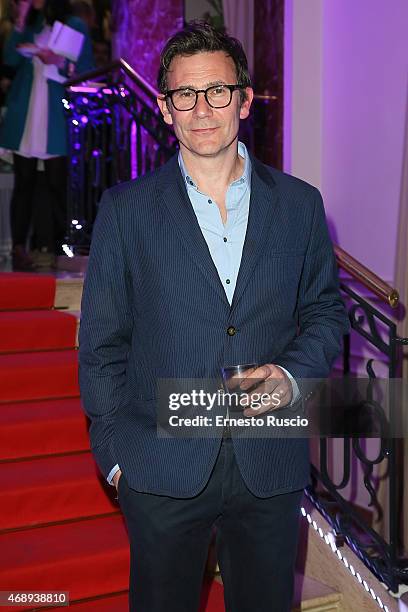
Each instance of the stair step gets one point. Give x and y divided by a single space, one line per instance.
314 596
311 595
113 603
26 291
47 427
69 291
30 376
212 600
53 489
86 558
36 330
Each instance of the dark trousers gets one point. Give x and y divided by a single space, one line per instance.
256 543
43 205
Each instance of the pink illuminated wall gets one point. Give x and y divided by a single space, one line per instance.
140 29
346 73
365 78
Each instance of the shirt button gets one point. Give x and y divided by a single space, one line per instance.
225 240
231 331
228 281
210 201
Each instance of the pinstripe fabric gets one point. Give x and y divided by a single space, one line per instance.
153 306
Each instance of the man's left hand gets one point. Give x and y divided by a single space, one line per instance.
271 380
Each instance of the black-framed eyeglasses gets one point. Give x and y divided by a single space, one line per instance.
217 96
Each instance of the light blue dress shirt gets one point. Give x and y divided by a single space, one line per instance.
225 242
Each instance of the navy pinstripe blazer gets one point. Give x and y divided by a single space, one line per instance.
153 306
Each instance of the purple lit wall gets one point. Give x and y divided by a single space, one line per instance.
140 29
365 59
356 56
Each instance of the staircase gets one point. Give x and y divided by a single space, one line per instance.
61 528
60 525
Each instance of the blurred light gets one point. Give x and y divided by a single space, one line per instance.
67 250
75 221
78 226
84 119
75 122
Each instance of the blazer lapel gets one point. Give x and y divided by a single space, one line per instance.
261 211
174 196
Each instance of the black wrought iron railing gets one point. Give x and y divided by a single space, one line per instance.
116 133
376 537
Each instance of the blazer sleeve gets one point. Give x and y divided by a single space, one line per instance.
322 319
105 334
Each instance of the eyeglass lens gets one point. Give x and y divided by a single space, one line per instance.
217 96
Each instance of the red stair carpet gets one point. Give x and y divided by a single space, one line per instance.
60 526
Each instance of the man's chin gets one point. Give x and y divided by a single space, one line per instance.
207 148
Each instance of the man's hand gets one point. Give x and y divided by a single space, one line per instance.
116 477
269 379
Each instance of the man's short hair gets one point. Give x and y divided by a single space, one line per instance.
201 37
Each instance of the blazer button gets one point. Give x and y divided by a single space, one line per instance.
231 331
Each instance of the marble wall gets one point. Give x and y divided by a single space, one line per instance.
139 30
268 80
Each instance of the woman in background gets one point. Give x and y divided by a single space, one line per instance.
34 127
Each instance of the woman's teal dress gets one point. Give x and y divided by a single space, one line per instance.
18 99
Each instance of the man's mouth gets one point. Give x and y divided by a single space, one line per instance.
204 130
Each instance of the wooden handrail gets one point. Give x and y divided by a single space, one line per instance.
264 97
120 64
367 278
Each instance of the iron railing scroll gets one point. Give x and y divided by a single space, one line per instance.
116 133
367 298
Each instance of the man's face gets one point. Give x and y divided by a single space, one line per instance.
204 130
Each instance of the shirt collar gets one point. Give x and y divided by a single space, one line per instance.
244 178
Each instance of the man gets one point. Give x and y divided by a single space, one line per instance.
212 260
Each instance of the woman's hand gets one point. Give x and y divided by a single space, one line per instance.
49 57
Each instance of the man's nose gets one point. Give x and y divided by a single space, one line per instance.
202 108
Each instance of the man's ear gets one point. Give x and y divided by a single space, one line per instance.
246 105
162 103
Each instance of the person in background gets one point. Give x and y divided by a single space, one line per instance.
85 11
102 52
34 126
6 26
8 10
